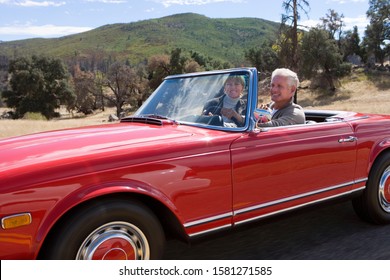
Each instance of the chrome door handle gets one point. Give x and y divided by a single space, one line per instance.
349 139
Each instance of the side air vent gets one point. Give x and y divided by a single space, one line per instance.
142 120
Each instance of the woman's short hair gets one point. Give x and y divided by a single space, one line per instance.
236 78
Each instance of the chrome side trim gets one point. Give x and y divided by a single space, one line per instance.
299 206
248 209
295 197
271 203
210 230
207 220
361 180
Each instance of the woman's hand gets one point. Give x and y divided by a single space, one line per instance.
230 113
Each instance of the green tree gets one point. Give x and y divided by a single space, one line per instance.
377 34
333 23
3 84
38 84
321 55
127 87
158 68
265 59
177 62
350 43
199 58
289 32
205 63
86 91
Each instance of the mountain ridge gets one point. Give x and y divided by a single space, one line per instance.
225 39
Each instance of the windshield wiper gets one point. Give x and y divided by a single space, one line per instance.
149 118
155 116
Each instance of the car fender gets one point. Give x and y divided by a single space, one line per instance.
100 191
377 149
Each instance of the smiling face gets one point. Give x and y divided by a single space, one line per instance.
234 87
281 91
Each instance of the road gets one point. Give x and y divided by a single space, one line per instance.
331 232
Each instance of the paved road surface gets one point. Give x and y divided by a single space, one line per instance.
330 232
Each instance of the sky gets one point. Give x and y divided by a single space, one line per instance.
24 19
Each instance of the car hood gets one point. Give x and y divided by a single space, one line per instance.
94 148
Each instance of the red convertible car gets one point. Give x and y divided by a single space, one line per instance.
118 191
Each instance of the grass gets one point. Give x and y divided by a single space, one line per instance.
11 128
359 93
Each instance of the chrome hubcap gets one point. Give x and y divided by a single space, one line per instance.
115 241
384 190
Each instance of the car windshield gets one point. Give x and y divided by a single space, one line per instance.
199 99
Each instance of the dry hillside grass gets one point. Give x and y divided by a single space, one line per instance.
359 93
11 128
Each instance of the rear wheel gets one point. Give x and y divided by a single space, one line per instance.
374 204
115 229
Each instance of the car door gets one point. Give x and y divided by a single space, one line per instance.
286 167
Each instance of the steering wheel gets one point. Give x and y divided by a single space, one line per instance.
212 110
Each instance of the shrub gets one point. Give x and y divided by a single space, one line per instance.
33 116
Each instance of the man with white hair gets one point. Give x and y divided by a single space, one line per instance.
284 83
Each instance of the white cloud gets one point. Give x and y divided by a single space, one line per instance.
168 3
361 22
307 24
108 1
348 1
45 31
30 3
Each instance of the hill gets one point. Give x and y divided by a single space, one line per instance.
222 39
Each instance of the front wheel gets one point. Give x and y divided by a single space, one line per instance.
374 205
110 230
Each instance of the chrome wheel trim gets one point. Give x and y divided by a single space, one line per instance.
384 190
127 233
